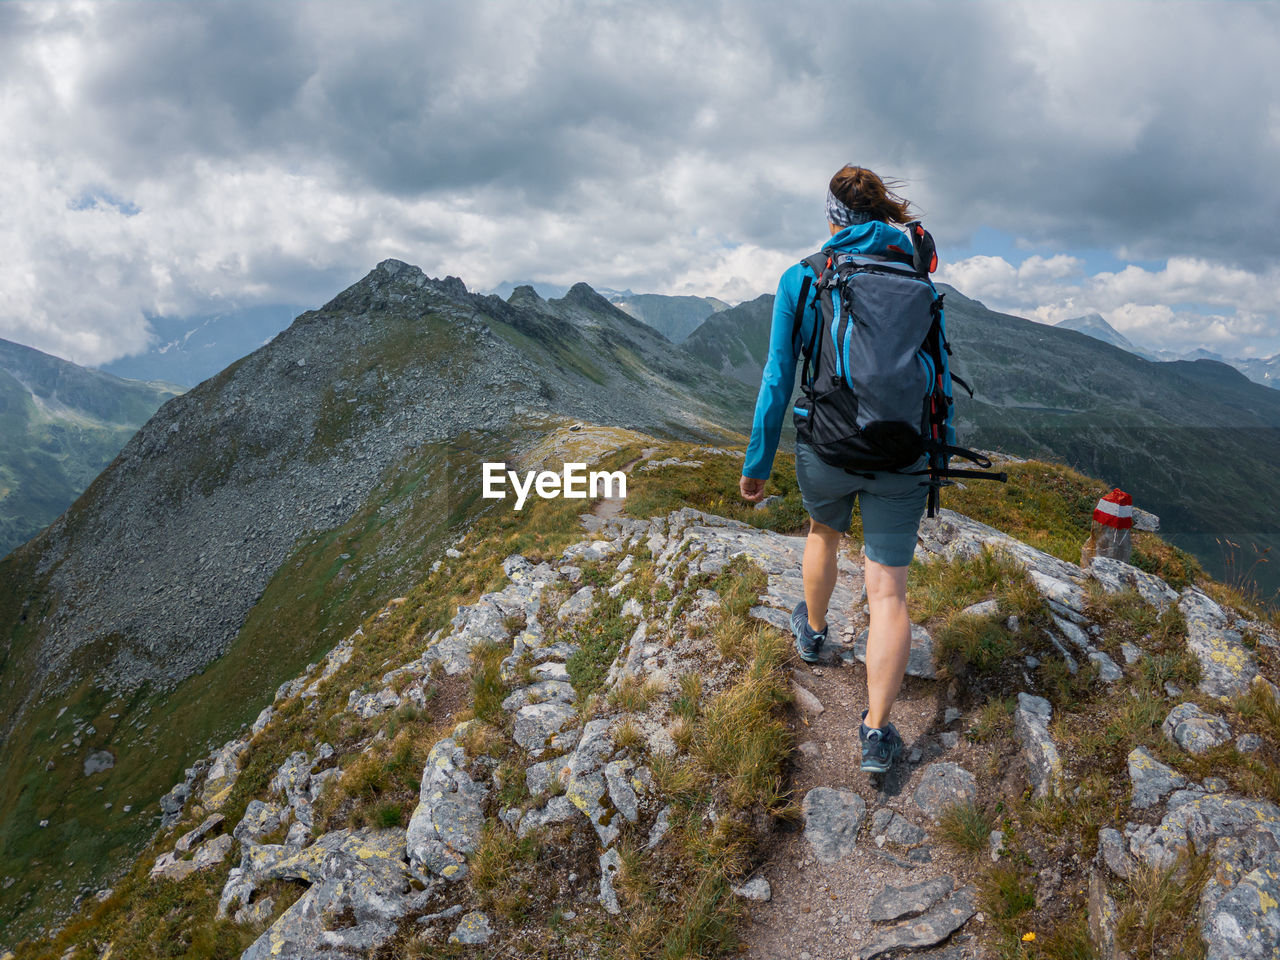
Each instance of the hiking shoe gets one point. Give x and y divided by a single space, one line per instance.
879 747
808 641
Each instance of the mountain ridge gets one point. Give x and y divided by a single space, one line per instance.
207 559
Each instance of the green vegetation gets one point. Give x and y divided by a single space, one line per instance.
60 425
966 826
1152 921
713 488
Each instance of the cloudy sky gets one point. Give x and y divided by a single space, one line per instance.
179 158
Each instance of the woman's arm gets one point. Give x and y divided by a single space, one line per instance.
775 386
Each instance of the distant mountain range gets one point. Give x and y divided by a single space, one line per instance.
673 317
1095 326
60 424
1263 371
191 349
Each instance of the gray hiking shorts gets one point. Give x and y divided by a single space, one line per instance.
892 505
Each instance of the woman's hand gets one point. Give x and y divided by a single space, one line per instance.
752 490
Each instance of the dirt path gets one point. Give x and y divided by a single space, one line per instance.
818 911
612 506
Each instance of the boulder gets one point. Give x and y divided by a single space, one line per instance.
222 774
757 889
1152 780
359 892
98 761
1227 666
610 864
474 928
446 824
1195 730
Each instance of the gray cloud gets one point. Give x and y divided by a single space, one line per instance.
270 148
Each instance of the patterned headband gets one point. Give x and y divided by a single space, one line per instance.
842 215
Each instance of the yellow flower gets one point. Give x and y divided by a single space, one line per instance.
1028 937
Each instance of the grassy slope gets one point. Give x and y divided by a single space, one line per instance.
50 450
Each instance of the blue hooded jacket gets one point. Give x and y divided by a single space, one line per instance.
779 376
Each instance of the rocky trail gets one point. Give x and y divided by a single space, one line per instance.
831 894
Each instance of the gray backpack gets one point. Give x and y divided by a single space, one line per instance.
876 383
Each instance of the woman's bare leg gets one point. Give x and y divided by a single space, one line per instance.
819 570
889 639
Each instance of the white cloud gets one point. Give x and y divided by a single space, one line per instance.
1169 308
275 152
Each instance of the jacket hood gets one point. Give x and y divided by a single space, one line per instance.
874 239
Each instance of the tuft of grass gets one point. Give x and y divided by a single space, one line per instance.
967 827
1260 704
634 695
941 587
598 640
628 736
975 645
1006 893
1158 919
388 815
994 720
741 735
1068 941
685 706
487 689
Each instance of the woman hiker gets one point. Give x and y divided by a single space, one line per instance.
861 212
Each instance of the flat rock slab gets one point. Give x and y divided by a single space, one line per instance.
1227 666
919 661
1116 575
1031 728
537 725
831 822
1200 818
1240 905
943 785
1152 780
894 903
896 828
926 930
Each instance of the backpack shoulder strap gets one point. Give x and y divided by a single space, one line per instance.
817 263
